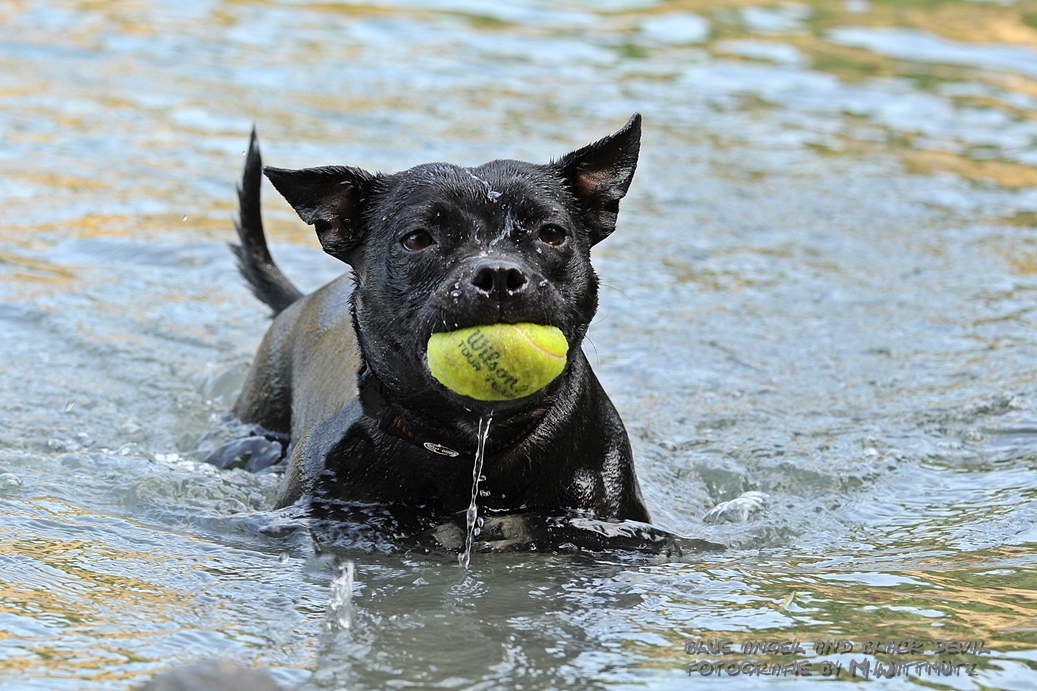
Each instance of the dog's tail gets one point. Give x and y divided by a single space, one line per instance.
254 260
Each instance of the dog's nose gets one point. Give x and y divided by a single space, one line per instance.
499 279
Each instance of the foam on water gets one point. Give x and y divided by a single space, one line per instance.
816 321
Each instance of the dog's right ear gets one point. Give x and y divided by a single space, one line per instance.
599 176
332 199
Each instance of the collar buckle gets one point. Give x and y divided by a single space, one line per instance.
441 450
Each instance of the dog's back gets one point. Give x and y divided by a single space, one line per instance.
305 370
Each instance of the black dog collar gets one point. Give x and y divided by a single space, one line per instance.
376 405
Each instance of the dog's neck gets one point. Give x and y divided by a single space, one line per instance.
429 434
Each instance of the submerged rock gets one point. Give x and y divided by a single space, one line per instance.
212 675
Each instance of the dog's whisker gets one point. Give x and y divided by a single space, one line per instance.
587 339
606 285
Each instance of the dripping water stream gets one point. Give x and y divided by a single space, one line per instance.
472 515
340 609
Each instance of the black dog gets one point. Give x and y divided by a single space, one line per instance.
439 247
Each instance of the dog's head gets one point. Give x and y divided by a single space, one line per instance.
440 247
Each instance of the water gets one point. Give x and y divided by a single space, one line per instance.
340 613
821 291
472 514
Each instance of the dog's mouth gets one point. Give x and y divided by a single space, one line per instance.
461 302
461 322
494 352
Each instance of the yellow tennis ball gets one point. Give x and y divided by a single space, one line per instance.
497 362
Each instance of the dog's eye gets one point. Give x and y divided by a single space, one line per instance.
418 240
552 235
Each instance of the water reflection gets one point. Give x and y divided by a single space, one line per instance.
821 291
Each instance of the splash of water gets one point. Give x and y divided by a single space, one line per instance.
340 609
472 515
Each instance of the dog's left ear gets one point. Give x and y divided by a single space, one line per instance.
599 175
332 199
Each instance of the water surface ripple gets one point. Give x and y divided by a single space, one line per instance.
822 293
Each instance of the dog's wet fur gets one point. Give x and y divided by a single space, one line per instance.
342 372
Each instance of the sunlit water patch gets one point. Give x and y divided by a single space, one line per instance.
817 321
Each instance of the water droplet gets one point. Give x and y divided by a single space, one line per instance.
340 610
455 294
9 481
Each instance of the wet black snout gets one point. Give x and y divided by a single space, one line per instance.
499 279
